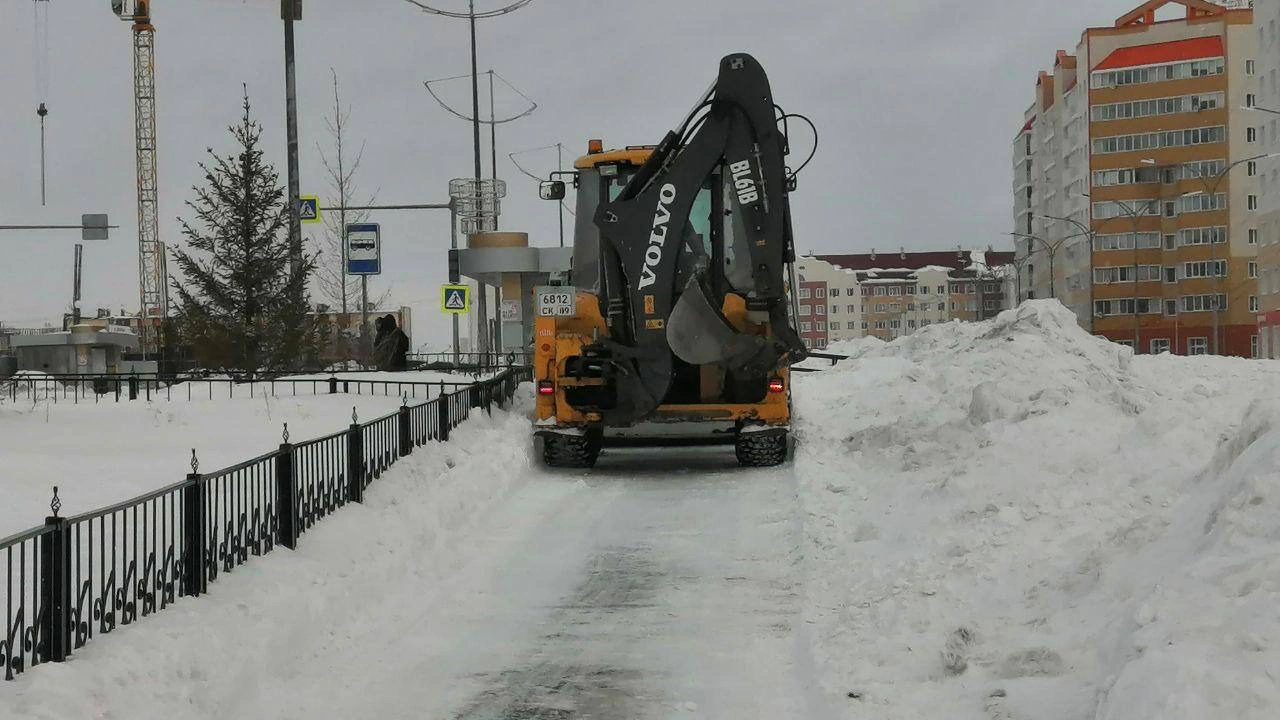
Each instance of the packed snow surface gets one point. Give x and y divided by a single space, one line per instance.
1014 519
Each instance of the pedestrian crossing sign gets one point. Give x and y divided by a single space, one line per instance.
455 299
309 209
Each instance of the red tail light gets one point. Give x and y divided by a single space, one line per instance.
776 385
546 387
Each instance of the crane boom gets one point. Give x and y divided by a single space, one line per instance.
152 273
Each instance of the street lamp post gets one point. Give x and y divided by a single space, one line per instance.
1051 249
1210 185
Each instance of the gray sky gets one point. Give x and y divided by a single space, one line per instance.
916 101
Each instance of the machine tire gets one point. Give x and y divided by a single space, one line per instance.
570 451
761 449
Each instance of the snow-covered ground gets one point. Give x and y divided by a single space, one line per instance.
1001 521
106 452
1016 520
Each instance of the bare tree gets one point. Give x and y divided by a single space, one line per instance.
334 285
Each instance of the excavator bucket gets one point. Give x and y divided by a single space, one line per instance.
700 335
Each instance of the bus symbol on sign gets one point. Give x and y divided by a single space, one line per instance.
364 249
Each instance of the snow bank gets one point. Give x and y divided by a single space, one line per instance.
369 572
1014 519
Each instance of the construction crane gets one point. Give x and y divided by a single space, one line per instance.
153 278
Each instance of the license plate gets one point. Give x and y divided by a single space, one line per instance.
556 301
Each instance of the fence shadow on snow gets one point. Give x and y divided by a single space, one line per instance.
75 578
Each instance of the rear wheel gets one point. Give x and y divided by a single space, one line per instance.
761 449
570 451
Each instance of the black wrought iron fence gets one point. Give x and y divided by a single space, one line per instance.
72 579
117 388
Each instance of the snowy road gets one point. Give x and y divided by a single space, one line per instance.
662 585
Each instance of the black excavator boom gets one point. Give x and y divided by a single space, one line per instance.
732 135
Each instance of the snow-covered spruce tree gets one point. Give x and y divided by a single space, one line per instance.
241 309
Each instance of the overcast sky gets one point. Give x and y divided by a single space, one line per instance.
916 102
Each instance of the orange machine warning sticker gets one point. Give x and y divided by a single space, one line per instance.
648 305
655 324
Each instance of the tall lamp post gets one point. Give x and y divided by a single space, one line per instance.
1210 185
1051 249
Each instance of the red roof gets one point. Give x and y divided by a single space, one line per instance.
1169 52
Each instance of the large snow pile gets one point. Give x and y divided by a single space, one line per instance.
1014 519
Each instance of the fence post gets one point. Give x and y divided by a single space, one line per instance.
333 386
442 405
287 526
487 393
55 586
133 387
406 430
195 579
355 460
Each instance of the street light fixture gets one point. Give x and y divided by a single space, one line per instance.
1051 248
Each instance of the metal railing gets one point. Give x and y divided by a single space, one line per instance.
71 579
116 388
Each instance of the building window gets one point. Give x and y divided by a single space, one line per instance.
835 292
1253 236
866 291
880 290
1253 303
1170 307
851 309
942 289
1197 345
851 326
819 309
820 292
1204 268
1253 346
1157 73
1202 236
1253 202
1253 270
1250 100
1251 168
1171 274
1250 66
911 307
942 306
821 327
864 324
1159 345
822 344
1203 303
806 310
806 327
1165 139
804 293
880 307
895 290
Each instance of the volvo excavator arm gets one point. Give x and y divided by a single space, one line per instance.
733 137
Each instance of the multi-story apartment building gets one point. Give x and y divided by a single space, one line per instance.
1136 199
1266 24
888 295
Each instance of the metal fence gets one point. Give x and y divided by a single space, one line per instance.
74 578
117 388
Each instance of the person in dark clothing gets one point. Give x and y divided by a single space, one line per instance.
392 346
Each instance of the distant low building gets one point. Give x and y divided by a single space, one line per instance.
888 295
